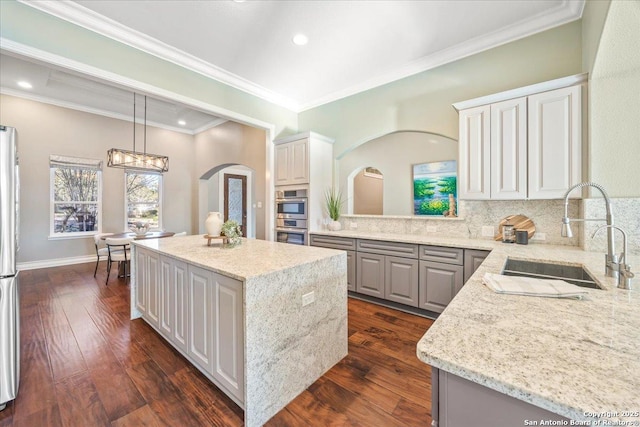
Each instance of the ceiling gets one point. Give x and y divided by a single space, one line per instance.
353 45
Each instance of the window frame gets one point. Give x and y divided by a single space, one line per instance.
160 194
53 235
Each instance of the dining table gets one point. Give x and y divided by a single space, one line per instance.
130 234
147 235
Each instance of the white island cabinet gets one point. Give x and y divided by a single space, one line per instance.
237 314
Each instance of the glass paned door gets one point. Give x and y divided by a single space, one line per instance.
235 199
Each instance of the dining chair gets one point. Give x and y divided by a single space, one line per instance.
119 250
101 248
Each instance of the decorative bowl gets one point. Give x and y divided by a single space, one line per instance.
140 229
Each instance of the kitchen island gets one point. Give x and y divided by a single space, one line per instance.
262 320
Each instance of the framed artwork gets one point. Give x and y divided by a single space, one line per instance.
435 188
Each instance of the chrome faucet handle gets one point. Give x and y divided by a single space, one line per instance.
624 281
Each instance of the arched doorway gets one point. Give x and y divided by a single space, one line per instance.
228 189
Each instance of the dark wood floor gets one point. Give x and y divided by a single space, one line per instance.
84 363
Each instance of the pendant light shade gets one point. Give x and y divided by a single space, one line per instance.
125 159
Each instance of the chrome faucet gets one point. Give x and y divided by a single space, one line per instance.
624 270
611 259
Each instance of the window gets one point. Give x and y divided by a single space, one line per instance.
143 197
76 193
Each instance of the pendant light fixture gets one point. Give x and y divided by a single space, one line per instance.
125 159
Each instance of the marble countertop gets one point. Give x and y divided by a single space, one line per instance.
249 259
575 358
454 242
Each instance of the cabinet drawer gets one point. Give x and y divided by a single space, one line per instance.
405 250
333 242
442 254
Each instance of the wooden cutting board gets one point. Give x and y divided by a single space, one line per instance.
519 222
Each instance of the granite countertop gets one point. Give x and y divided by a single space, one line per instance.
249 259
576 358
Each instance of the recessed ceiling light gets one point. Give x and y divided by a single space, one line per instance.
182 122
300 39
25 85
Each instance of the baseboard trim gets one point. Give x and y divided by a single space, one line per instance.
56 262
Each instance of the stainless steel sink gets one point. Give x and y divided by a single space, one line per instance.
574 274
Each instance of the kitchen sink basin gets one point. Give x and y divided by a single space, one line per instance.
574 274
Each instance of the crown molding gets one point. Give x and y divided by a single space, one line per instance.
210 125
567 11
92 21
90 110
20 50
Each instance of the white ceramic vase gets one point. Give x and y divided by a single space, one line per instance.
334 226
213 223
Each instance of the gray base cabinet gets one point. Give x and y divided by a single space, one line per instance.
441 276
426 277
370 274
439 283
401 278
457 402
472 260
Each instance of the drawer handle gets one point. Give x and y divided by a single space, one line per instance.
441 254
388 248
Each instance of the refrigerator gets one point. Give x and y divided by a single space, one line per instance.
9 304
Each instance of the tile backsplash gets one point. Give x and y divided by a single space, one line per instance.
545 214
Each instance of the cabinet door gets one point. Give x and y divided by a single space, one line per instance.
439 283
167 301
509 149
351 271
142 288
555 142
474 153
228 334
401 280
200 317
180 296
281 165
472 260
370 274
153 283
299 172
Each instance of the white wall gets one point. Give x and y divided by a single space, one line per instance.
45 129
394 155
235 144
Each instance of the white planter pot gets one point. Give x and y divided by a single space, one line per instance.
334 226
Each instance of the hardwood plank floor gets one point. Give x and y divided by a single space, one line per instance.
84 363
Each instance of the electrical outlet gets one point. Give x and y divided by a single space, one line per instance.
539 236
353 225
308 298
432 229
488 231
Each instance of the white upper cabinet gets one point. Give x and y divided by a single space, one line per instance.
474 152
522 147
292 163
555 142
509 149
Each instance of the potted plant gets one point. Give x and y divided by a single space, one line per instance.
334 206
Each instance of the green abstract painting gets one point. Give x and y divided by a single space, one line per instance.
432 184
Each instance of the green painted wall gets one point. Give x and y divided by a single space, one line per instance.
614 102
423 101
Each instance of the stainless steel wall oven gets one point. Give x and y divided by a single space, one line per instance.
291 216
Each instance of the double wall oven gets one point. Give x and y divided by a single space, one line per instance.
291 216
